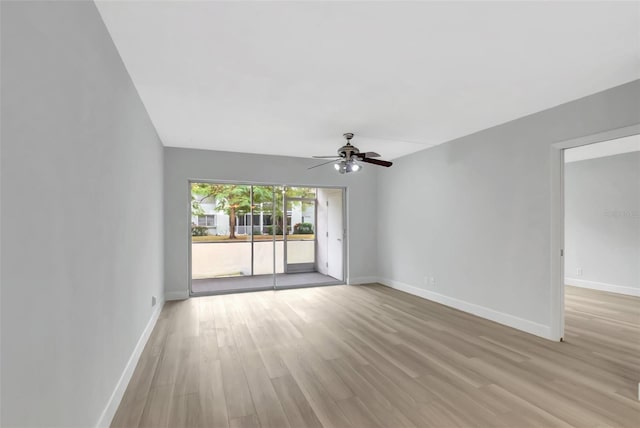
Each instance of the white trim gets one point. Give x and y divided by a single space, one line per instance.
607 148
176 295
481 311
603 286
363 280
556 253
116 397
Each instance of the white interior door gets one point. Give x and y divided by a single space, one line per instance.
336 235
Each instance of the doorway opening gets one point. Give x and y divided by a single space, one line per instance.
600 269
602 231
568 255
248 237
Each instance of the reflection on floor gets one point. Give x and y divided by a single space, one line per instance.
239 283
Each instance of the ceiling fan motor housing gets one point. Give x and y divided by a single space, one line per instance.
348 150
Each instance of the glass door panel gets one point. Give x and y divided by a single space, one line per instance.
263 236
301 236
299 249
220 236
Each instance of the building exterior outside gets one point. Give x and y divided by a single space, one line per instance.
216 222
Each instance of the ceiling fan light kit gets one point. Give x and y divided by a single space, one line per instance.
349 158
344 167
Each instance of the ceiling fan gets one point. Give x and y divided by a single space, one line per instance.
349 158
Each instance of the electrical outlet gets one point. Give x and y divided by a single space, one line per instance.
432 281
153 301
579 271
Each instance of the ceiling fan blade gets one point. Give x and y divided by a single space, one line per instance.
325 157
324 163
377 162
368 155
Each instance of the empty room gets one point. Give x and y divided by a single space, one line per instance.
290 214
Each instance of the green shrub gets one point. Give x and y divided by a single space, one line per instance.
199 231
303 229
269 230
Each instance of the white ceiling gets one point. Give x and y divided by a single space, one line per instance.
290 78
603 149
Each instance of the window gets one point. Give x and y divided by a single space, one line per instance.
243 220
207 220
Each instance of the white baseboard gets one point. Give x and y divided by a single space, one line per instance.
481 311
602 286
176 295
363 280
116 397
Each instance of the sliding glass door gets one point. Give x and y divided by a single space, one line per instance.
221 253
256 237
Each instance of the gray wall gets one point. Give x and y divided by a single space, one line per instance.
602 221
81 157
480 208
184 164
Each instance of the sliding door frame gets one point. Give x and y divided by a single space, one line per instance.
345 242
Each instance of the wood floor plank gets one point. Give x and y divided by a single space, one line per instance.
187 380
265 399
371 356
213 400
236 389
297 408
375 400
157 408
321 402
250 421
167 370
185 411
136 396
358 414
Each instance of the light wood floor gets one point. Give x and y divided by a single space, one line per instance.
370 356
